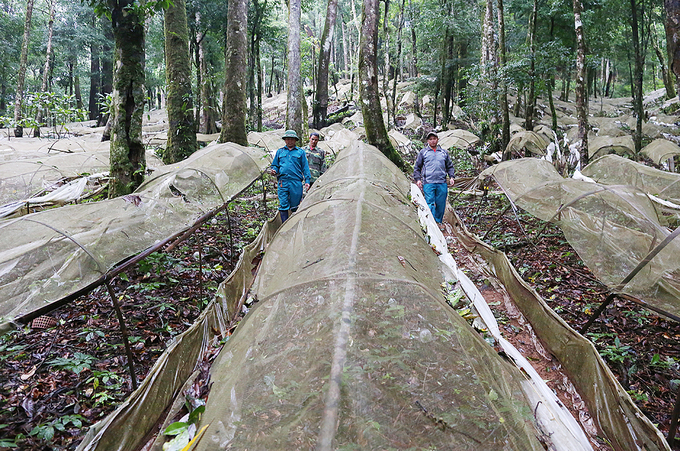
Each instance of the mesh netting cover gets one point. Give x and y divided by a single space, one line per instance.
352 340
612 227
660 150
48 255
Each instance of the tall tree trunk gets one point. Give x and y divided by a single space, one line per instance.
294 120
208 112
196 48
531 100
235 105
505 109
95 81
581 94
376 133
386 70
46 68
260 87
667 75
672 26
638 73
3 94
21 76
355 54
271 79
181 126
255 37
460 77
414 55
447 77
398 71
345 50
76 88
128 160
488 53
320 108
106 66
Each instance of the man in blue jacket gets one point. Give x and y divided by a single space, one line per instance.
432 166
291 170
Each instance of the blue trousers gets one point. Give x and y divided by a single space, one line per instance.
290 194
435 196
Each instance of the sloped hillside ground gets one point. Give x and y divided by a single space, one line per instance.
641 347
58 380
69 369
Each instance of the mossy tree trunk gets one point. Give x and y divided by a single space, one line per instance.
672 26
531 100
503 94
294 99
639 51
106 65
320 107
46 68
580 89
21 76
128 162
376 133
235 105
181 126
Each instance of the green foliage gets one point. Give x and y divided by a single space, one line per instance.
156 262
46 431
78 363
616 353
183 431
57 109
659 362
6 442
91 334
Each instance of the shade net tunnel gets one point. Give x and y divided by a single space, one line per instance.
616 226
51 254
352 345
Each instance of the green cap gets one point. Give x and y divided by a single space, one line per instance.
290 134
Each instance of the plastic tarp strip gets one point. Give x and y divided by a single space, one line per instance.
126 428
554 418
622 423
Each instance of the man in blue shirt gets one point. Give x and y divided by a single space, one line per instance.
432 166
291 170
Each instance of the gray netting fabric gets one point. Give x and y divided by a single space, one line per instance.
351 335
615 170
660 150
51 254
21 179
530 141
662 187
603 145
612 227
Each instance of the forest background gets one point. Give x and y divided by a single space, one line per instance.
59 56
212 62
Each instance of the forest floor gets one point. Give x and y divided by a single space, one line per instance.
56 381
640 347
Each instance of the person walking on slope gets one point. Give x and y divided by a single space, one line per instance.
432 166
291 170
315 156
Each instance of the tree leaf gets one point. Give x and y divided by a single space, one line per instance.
176 428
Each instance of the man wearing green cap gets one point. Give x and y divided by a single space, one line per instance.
291 170
316 157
